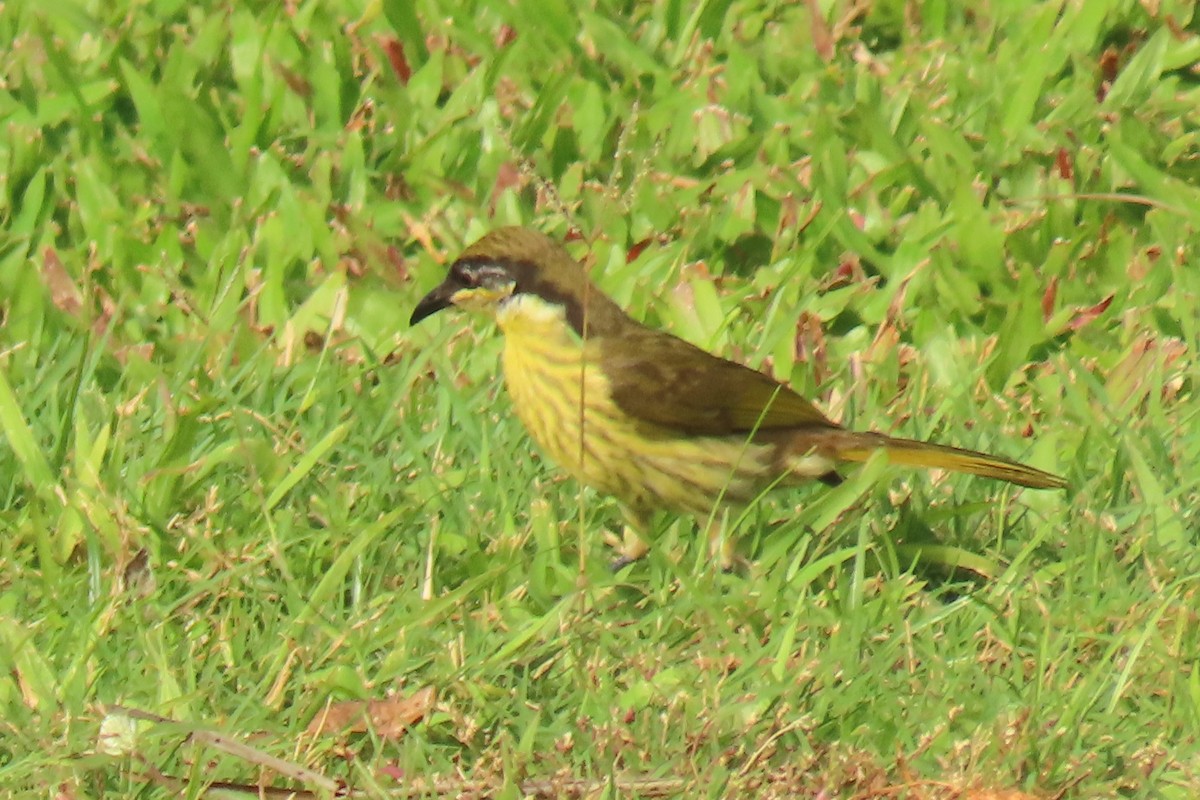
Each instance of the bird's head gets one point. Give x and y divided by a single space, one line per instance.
511 263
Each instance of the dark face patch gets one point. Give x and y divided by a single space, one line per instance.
464 275
532 280
476 273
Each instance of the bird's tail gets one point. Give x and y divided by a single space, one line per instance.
909 452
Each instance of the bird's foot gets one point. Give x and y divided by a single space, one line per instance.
619 563
722 548
629 547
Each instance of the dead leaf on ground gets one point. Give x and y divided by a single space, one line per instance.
65 295
388 718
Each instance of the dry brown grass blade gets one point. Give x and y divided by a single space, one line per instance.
226 744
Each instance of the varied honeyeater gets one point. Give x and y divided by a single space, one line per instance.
646 417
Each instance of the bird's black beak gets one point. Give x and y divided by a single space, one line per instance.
435 301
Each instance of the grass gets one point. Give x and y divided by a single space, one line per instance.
241 491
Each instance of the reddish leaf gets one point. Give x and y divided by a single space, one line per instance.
1048 298
392 771
505 36
1066 167
1083 316
507 177
635 250
847 272
822 37
1108 64
393 48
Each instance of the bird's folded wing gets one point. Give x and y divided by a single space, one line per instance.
661 379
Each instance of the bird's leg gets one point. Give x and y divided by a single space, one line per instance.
722 545
630 546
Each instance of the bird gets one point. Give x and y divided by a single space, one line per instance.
648 418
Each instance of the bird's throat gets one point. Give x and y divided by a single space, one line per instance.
524 315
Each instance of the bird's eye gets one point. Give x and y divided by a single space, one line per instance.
480 274
466 277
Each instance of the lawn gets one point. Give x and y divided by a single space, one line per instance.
260 533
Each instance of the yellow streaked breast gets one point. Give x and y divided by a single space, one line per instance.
550 373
